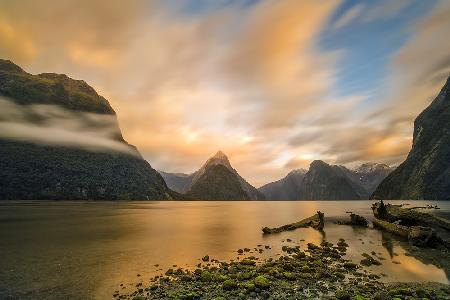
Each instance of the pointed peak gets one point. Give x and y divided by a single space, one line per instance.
220 154
218 158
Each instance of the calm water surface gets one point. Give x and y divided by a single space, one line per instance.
85 250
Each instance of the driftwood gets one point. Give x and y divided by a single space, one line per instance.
417 235
355 220
391 227
316 222
408 216
420 228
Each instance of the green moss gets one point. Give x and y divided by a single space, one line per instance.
248 285
261 282
206 276
221 277
289 275
248 262
229 285
187 295
343 295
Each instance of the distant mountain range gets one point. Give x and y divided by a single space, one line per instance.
31 169
218 180
425 174
215 180
327 182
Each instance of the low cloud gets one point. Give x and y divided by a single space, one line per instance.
53 125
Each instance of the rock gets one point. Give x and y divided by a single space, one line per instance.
229 285
355 220
422 236
248 262
205 258
343 295
312 246
369 260
261 282
342 243
350 265
205 276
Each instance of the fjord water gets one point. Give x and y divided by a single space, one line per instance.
85 250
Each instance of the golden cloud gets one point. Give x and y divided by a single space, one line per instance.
251 82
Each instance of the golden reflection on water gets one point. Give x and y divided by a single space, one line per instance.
91 248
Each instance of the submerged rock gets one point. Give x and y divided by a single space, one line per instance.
355 220
422 236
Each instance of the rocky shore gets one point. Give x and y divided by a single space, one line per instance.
317 272
302 272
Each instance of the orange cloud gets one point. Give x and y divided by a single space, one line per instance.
251 82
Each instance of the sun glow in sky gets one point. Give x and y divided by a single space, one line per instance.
274 84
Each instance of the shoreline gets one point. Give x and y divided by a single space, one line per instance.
315 272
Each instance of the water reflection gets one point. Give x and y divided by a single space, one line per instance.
84 250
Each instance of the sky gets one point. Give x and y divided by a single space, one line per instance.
274 84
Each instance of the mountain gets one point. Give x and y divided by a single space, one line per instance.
184 183
330 182
178 182
327 182
287 188
371 174
218 183
426 171
33 169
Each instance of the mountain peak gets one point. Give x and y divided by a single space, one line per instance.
298 172
7 65
371 167
218 158
220 155
318 163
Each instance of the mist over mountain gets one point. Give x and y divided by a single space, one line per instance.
60 140
194 183
426 171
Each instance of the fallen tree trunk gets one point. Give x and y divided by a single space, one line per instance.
316 222
417 235
408 216
391 227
